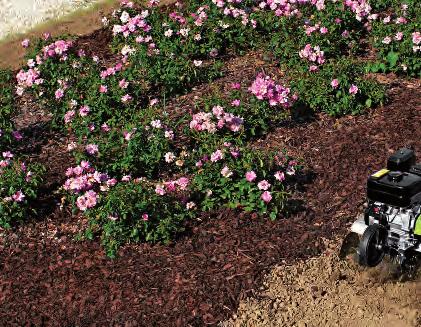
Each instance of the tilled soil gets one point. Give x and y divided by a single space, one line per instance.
48 279
328 291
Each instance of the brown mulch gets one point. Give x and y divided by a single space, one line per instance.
48 279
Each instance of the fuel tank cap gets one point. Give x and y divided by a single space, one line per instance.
395 176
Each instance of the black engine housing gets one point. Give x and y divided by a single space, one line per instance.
400 184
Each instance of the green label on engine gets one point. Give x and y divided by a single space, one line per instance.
417 230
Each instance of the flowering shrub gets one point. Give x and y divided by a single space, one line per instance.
132 212
134 148
243 179
18 186
339 88
396 36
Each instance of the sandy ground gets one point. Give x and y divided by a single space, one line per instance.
329 291
21 15
11 51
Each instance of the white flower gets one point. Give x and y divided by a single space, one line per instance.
127 50
105 21
184 31
197 37
71 146
197 63
190 205
124 17
226 172
168 33
156 123
169 157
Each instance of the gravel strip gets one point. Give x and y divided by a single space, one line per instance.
18 16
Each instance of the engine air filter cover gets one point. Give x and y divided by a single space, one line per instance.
401 160
393 188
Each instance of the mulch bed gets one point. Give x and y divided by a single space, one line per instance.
48 279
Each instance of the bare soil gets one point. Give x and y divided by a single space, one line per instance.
329 291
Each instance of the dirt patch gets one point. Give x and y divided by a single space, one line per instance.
328 291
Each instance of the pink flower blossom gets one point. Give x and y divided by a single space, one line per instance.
103 89
235 86
59 93
216 156
416 38
353 89
92 149
235 103
145 217
18 196
84 111
126 98
280 176
266 197
25 43
183 182
159 190
68 117
17 135
334 83
263 185
250 176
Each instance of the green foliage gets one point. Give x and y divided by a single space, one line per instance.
317 92
18 187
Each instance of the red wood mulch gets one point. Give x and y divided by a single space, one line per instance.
47 279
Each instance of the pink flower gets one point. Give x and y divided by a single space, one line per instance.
398 36
235 103
105 128
416 38
280 176
91 199
183 182
123 84
145 217
153 102
7 155
263 185
103 89
387 40
17 135
18 196
250 176
59 94
323 30
126 98
25 43
334 83
266 197
353 89
68 117
236 86
216 156
92 149
84 111
159 190
126 178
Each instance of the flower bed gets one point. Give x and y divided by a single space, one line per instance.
142 171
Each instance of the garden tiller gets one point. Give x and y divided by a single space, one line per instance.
391 223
